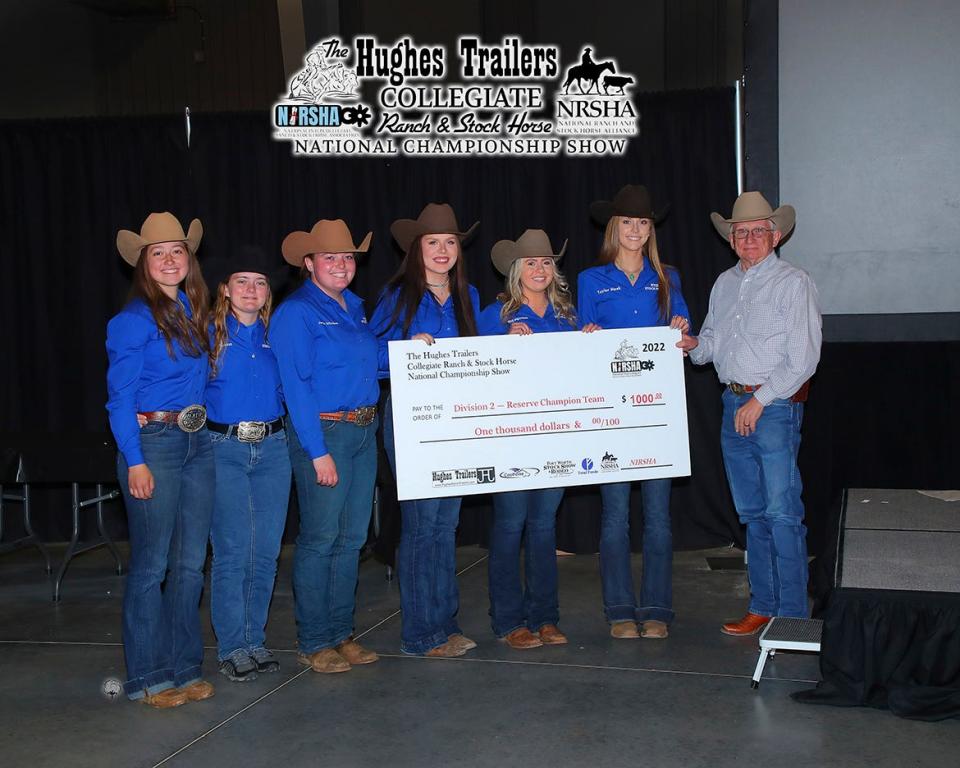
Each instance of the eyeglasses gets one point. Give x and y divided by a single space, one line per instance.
757 232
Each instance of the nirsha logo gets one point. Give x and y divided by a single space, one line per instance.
627 362
609 463
444 478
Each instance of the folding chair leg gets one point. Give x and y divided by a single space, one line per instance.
758 672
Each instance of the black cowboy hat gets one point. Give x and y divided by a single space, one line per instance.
245 258
632 200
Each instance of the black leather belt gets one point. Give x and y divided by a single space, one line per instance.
247 431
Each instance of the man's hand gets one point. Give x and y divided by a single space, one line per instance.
140 481
326 471
687 343
746 418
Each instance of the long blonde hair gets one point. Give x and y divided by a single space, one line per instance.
611 246
558 294
221 333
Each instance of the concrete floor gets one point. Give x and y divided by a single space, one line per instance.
685 701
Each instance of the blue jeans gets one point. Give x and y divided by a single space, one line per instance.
249 514
333 528
529 516
162 644
765 485
426 563
616 577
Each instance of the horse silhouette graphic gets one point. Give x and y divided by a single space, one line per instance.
587 71
319 80
626 352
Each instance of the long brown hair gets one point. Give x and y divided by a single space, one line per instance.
411 280
558 294
222 308
608 255
168 314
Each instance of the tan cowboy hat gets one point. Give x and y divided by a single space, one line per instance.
752 206
533 243
326 237
158 228
434 219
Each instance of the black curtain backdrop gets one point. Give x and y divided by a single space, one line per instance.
66 187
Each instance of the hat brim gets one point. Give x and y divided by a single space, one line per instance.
298 245
405 231
131 244
604 210
505 252
784 219
218 270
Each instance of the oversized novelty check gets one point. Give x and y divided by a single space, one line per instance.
506 413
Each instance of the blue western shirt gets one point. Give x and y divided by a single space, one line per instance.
605 297
490 323
247 384
327 358
143 377
440 321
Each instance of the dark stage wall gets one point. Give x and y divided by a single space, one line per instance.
67 186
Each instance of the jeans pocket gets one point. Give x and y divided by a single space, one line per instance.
153 428
216 437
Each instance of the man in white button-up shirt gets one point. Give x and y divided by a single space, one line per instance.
762 333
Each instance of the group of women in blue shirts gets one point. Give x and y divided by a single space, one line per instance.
214 409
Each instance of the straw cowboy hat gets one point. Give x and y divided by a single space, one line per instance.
434 219
633 201
326 237
533 243
157 228
752 206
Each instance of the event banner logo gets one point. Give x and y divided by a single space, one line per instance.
363 98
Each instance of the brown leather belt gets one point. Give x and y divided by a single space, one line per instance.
800 396
362 417
190 419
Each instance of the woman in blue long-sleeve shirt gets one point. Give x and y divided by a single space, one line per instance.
157 348
631 288
524 613
245 418
429 298
328 367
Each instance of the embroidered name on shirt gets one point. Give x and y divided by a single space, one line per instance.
327 322
601 291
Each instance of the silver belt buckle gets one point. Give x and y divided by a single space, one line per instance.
251 431
365 415
192 418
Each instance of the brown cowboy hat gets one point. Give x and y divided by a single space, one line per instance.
434 219
533 243
752 206
157 228
632 200
326 236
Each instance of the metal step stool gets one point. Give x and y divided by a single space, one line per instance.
785 634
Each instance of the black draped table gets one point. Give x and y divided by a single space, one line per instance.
891 624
